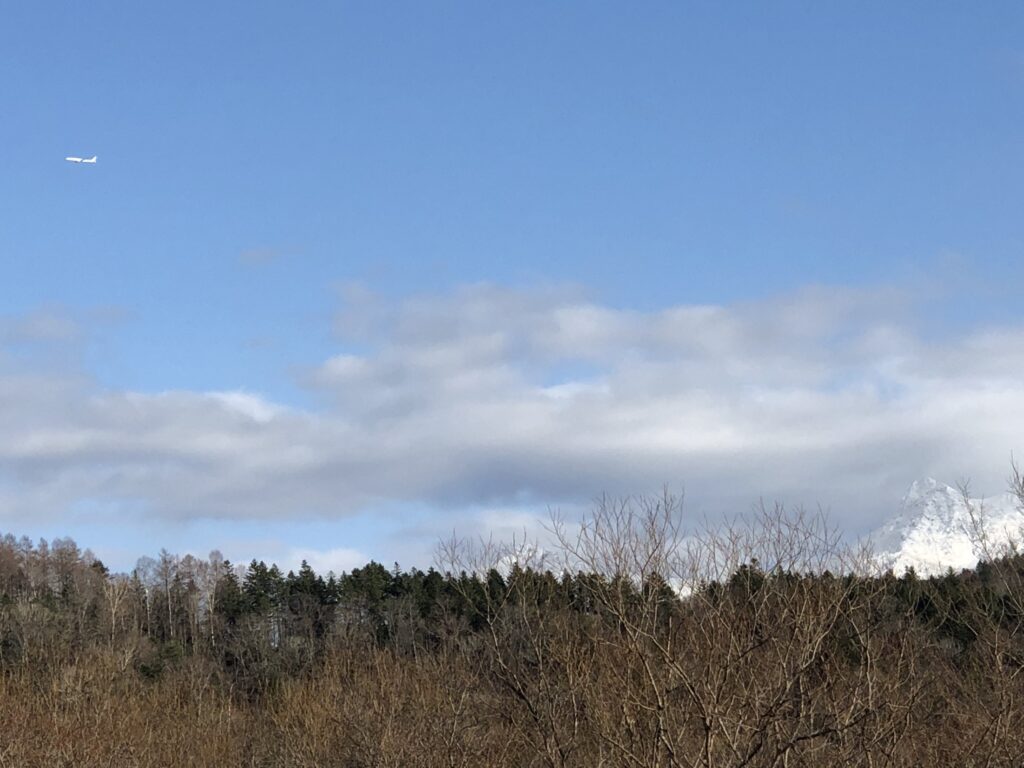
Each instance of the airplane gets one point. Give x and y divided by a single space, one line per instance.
90 160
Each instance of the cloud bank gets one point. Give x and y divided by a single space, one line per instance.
497 398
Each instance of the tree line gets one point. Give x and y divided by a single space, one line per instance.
628 641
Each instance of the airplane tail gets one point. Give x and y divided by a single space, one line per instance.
90 160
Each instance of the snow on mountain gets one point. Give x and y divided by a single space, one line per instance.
932 531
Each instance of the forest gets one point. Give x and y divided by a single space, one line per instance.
628 640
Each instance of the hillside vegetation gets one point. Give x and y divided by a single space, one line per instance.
764 644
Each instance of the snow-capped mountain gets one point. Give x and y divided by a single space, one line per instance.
932 531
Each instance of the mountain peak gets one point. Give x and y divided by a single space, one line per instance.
931 532
924 485
928 486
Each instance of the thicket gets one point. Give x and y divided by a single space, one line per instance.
626 644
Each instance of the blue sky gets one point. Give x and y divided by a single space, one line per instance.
265 176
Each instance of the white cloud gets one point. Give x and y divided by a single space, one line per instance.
42 325
496 398
248 405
